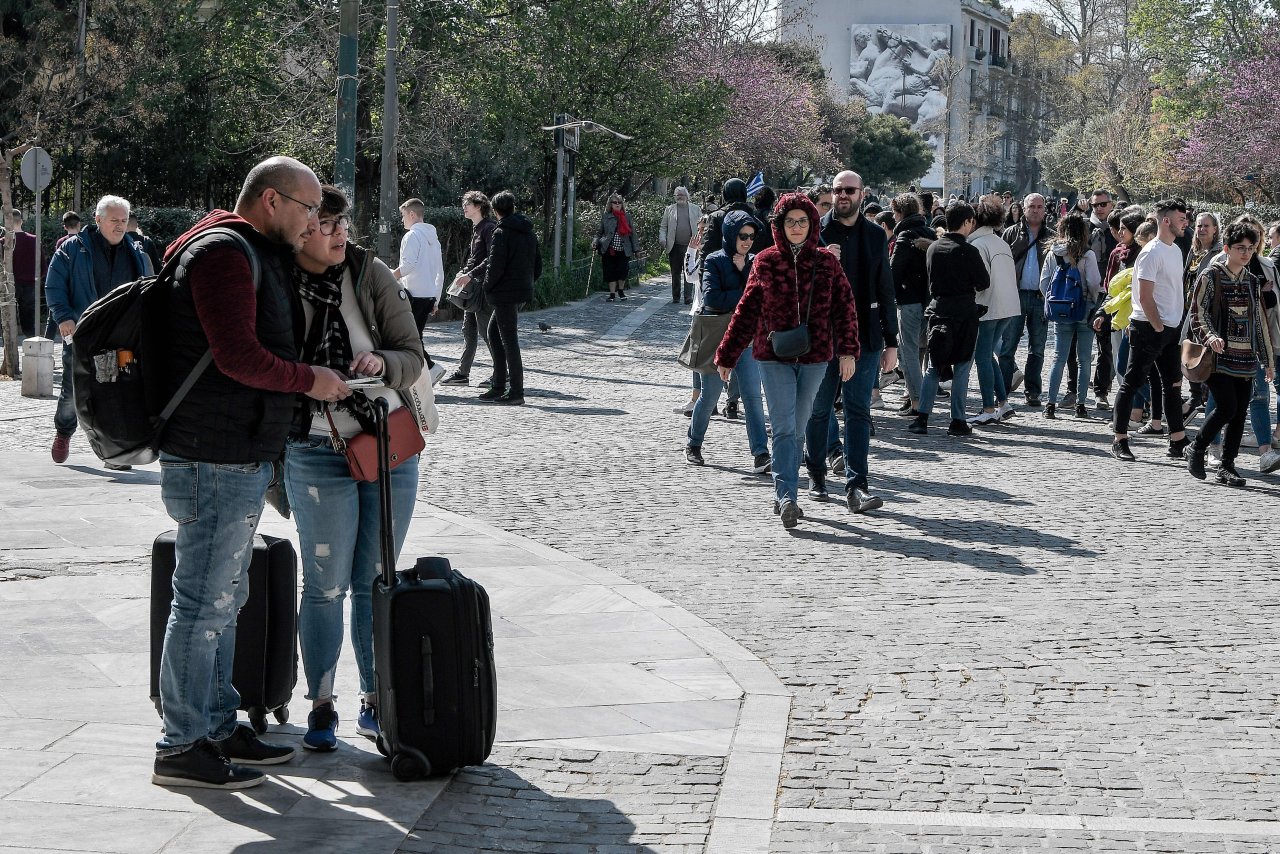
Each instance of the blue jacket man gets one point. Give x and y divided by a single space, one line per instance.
85 267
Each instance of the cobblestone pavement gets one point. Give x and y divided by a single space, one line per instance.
1042 647
1026 627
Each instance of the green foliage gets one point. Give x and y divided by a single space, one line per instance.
886 150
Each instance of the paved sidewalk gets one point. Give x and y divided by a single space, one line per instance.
619 712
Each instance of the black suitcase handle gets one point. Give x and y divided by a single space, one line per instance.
386 526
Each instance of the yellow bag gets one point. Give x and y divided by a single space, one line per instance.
1120 302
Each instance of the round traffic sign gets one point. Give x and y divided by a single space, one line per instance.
37 169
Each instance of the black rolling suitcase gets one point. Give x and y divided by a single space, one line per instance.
432 654
266 663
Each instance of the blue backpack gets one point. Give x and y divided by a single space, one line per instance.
1065 302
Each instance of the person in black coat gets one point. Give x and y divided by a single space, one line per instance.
956 274
515 262
735 199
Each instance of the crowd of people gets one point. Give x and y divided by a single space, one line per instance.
926 293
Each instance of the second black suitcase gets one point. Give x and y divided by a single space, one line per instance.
433 657
265 671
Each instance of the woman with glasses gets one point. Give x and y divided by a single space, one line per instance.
1227 317
356 323
792 284
616 243
724 278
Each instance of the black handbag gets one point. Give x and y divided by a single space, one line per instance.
794 343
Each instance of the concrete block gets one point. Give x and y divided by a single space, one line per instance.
37 367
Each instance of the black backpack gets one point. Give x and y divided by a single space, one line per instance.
119 393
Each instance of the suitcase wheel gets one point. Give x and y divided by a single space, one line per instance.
258 719
406 768
282 715
382 746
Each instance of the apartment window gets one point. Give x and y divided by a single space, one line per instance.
973 32
995 42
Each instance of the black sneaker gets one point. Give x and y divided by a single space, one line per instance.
203 767
243 747
818 489
493 393
456 378
1227 476
959 427
622 295
860 501
835 464
1195 463
1033 401
693 456
790 513
920 426
1081 411
1120 450
906 408
762 464
511 398
731 409
1178 448
611 297
1050 411
486 383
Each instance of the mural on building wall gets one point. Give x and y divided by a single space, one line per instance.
900 69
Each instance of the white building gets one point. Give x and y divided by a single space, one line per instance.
941 64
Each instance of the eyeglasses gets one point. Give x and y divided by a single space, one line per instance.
1242 248
312 210
329 226
796 223
750 235
846 191
1101 204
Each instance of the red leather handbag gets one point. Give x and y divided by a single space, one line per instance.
361 450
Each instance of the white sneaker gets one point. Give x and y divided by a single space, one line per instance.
1006 411
878 403
1016 382
1215 452
984 418
437 371
945 385
1269 461
685 408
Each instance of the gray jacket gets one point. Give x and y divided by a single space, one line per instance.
608 227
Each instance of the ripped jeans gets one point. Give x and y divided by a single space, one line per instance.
338 530
217 508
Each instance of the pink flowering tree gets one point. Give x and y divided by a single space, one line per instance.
1239 144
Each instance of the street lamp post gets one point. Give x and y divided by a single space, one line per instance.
567 130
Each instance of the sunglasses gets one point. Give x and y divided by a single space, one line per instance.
750 235
847 191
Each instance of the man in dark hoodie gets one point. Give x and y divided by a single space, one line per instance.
515 262
217 454
735 199
912 237
863 251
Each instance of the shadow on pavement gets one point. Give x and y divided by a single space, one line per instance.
994 533
495 809
137 476
939 489
987 560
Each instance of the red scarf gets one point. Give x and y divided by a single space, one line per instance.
624 224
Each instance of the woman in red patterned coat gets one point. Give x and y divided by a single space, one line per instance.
793 282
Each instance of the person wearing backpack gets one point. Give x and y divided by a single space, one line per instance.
217 456
86 267
1071 284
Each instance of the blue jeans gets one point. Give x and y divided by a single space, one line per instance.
748 373
959 390
990 377
217 508
64 417
857 419
1082 332
1032 320
1259 410
910 328
339 533
790 389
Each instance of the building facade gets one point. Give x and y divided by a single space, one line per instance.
944 66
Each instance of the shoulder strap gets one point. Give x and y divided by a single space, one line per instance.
180 260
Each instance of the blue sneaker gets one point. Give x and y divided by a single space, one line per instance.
367 721
322 729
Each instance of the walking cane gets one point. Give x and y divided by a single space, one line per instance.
591 268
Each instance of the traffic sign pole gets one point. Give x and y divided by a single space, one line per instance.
37 171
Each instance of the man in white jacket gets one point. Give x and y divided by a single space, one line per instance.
679 222
421 270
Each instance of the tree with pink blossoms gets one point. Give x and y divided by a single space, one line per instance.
1239 144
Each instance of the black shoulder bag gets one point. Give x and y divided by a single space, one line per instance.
794 343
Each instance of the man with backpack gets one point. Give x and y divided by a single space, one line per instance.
217 453
1029 240
86 267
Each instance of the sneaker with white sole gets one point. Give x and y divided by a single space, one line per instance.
322 729
1016 382
984 418
203 767
761 463
437 371
1269 461
1006 411
244 747
367 720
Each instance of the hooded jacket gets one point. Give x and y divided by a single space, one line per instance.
722 282
781 284
957 275
515 262
910 274
421 266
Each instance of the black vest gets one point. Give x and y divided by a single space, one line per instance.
222 420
